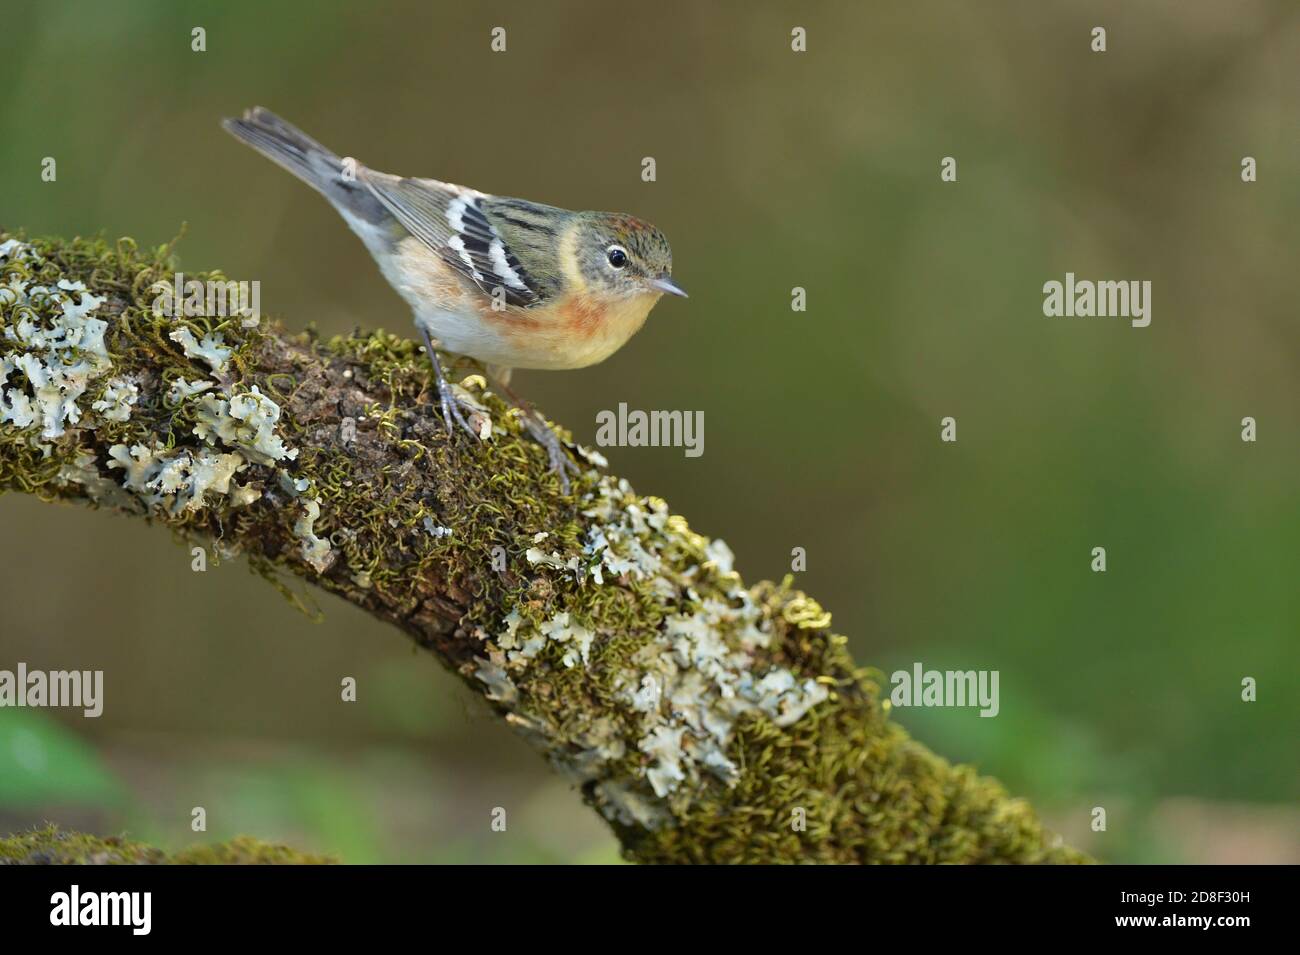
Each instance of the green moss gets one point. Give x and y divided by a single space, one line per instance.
55 846
772 722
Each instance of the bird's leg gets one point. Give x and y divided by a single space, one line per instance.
446 397
542 433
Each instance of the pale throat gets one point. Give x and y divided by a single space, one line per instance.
622 318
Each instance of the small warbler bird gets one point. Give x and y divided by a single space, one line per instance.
511 283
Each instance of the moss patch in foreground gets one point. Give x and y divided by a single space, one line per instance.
55 846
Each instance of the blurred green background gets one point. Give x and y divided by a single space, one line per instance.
775 170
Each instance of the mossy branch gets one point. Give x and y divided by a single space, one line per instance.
708 721
54 846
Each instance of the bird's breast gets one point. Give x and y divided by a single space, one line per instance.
574 331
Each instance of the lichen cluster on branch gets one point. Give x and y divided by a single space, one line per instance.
705 719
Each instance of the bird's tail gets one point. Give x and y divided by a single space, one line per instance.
288 146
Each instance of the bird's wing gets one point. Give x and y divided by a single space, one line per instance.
450 221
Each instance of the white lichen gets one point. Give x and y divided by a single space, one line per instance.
56 347
615 540
180 480
592 456
246 421
499 685
624 804
560 629
435 529
293 486
120 394
539 557
664 745
315 550
181 390
211 349
720 554
84 471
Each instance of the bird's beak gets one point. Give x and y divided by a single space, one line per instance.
665 284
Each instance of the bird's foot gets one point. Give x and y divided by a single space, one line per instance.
559 458
458 409
449 401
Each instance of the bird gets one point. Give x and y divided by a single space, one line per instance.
508 282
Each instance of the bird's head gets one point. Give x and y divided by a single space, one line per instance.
621 255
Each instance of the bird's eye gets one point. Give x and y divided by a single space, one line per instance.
617 256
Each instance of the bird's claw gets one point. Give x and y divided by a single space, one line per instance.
448 400
451 403
559 458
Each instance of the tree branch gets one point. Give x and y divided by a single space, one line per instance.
707 721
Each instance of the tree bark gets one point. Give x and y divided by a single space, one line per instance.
706 720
